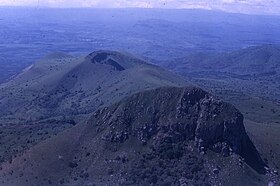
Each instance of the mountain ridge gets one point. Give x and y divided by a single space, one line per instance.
247 61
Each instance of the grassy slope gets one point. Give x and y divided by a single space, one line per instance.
60 91
52 161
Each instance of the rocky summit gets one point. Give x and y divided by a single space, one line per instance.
164 136
176 115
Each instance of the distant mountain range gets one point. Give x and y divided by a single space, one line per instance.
27 34
251 61
253 70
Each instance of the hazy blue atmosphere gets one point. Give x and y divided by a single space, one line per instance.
27 34
238 6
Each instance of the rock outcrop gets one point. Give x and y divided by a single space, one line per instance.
116 60
156 137
176 115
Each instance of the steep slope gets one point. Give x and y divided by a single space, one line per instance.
162 136
60 91
250 80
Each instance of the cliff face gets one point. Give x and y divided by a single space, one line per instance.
156 137
175 115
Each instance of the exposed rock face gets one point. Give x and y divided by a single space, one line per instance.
105 58
155 137
175 115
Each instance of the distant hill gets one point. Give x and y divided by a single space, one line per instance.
178 32
251 61
166 136
61 85
59 91
253 70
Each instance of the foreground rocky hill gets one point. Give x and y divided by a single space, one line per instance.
165 136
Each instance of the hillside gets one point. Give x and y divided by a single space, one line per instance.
257 60
248 79
59 91
254 69
59 86
163 136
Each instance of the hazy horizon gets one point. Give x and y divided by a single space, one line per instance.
260 7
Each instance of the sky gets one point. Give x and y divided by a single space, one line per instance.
238 6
